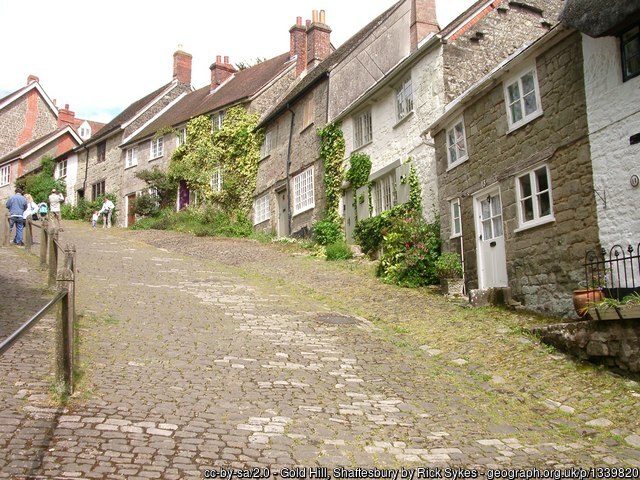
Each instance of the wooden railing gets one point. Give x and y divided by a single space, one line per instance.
64 277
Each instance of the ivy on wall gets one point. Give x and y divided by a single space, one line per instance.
332 148
234 150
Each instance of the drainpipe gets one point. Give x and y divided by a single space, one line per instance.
86 172
289 169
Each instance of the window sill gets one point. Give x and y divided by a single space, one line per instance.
264 158
304 129
522 123
261 221
306 209
535 223
457 235
403 119
156 158
130 166
355 149
459 162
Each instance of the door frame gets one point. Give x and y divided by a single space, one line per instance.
477 212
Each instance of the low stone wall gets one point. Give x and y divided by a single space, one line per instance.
615 343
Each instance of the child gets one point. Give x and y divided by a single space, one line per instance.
94 219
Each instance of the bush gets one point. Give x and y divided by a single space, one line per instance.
411 248
338 251
147 205
448 265
326 232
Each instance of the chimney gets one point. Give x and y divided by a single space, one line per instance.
220 71
66 116
182 67
32 78
318 40
423 21
298 45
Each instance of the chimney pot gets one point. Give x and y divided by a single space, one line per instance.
322 16
298 20
314 16
218 59
32 78
220 72
318 40
308 23
226 60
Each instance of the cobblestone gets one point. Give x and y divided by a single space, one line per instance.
165 332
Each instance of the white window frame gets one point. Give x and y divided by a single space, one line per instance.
61 169
459 146
131 157
156 148
216 180
456 228
303 191
5 175
261 210
217 119
181 136
362 129
517 79
385 195
85 132
404 99
538 218
265 148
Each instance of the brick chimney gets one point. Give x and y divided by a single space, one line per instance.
423 21
220 71
32 78
298 45
182 67
66 116
318 40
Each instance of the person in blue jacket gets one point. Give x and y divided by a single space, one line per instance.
17 204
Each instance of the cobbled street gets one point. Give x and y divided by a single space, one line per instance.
202 353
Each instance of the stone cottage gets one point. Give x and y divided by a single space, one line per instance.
256 88
611 64
289 195
515 178
388 120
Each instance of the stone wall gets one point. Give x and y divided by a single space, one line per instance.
472 52
615 343
614 116
544 263
14 118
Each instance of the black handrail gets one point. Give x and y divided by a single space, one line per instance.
6 344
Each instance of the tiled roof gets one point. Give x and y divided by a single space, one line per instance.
43 140
242 86
6 97
127 114
323 69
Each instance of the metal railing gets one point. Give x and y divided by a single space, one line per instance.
64 277
615 272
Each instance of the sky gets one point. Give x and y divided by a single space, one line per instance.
101 59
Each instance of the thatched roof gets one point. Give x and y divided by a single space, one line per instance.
598 18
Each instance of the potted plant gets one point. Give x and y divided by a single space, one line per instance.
614 309
450 272
589 295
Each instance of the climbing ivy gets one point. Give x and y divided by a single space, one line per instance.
332 150
415 192
358 173
234 151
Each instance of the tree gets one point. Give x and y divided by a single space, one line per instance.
39 185
164 188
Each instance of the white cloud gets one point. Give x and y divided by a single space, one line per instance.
101 58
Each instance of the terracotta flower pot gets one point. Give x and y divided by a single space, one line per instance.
583 299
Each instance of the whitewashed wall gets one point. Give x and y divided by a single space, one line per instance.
72 177
613 109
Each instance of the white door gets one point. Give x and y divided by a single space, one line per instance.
492 260
283 214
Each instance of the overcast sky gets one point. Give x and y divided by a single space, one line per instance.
101 57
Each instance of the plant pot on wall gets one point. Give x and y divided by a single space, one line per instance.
452 286
583 299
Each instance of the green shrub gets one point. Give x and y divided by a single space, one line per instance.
338 251
147 205
411 248
449 265
326 232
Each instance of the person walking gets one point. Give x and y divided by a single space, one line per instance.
17 204
105 211
55 199
32 208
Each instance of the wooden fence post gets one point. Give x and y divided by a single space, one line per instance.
65 281
4 227
28 235
53 255
43 244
